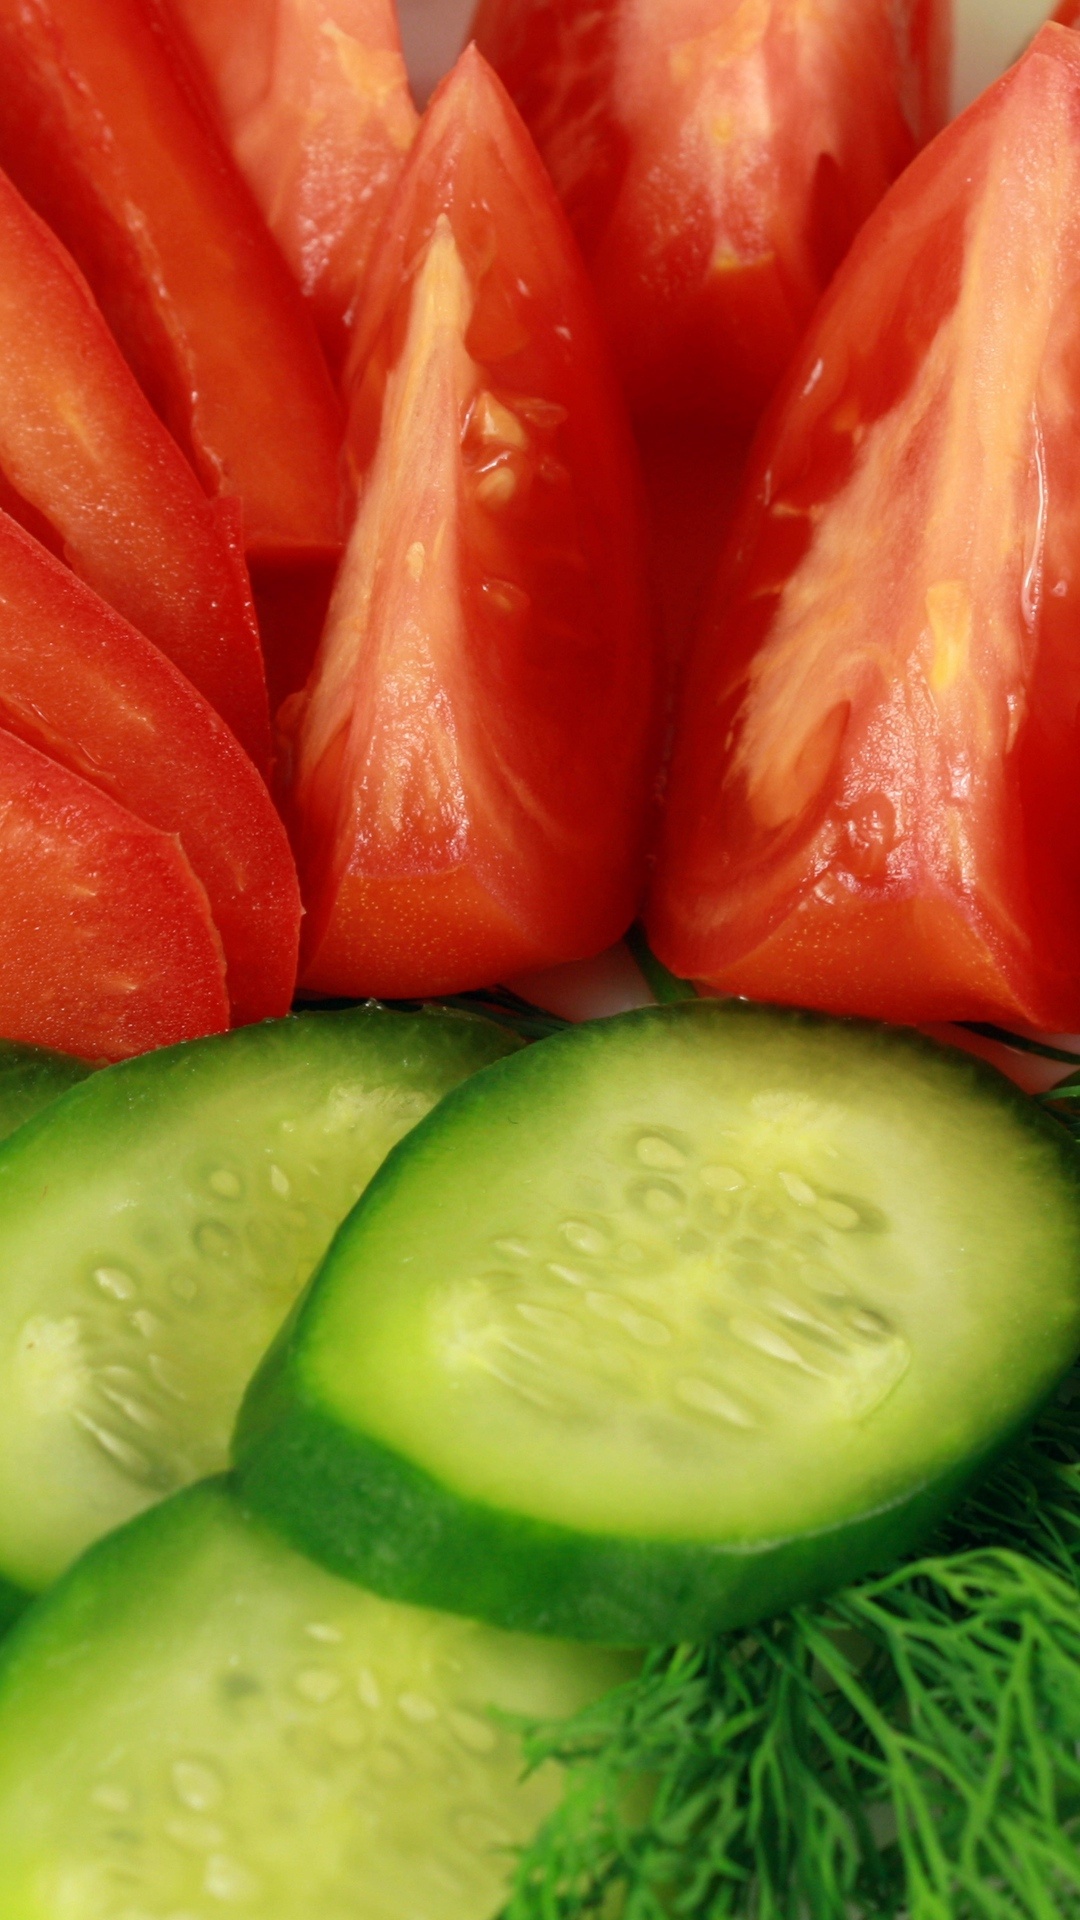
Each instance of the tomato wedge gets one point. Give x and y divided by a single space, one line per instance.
90 469
82 685
716 157
314 100
470 761
874 805
108 941
100 132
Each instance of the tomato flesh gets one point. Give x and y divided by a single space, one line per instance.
873 805
314 99
470 760
101 134
79 683
716 157
91 470
108 938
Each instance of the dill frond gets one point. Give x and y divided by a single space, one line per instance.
907 1750
665 986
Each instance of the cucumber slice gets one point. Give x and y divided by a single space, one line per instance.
156 1226
31 1078
198 1720
672 1321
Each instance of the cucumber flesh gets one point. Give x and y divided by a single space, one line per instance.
31 1078
156 1226
198 1720
671 1321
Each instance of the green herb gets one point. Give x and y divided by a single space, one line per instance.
1020 1042
665 986
508 1009
907 1748
1063 1101
499 1004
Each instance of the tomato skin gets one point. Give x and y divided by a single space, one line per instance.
81 685
91 470
470 763
314 100
101 132
108 941
716 157
873 805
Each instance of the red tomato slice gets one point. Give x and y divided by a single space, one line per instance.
874 805
91 470
108 942
100 132
314 100
82 685
471 757
716 157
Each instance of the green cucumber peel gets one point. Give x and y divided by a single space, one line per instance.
671 1321
31 1078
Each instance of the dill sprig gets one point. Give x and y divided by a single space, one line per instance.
1063 1101
500 1004
666 987
908 1749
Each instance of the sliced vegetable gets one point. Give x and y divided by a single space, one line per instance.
470 762
873 805
86 465
672 1321
155 1228
314 99
716 161
78 682
32 1078
241 1728
103 131
108 941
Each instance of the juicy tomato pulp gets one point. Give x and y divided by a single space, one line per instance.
716 158
314 99
470 762
874 805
